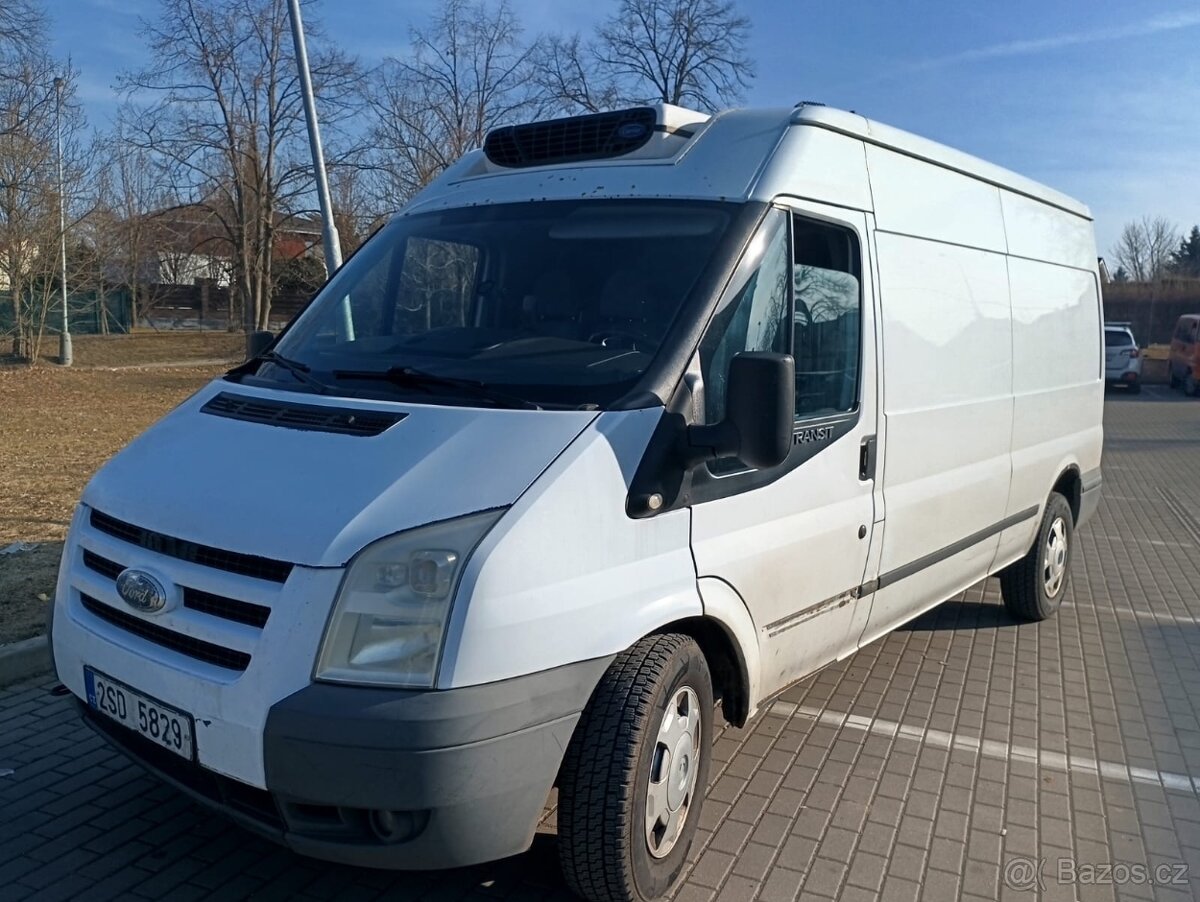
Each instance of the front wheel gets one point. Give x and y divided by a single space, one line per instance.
635 773
1033 587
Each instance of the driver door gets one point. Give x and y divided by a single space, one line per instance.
793 541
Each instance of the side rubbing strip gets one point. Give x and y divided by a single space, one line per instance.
893 576
792 620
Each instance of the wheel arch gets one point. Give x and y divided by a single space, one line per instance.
1069 484
726 634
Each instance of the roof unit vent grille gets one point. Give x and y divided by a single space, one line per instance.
569 140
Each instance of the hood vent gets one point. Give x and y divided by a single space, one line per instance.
310 417
569 140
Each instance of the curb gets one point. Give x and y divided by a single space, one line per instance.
25 659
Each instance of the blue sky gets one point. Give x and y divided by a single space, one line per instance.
1100 100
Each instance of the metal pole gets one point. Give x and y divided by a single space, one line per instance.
329 233
333 249
65 355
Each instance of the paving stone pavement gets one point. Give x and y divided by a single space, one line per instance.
963 757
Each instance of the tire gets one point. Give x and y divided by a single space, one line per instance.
1172 377
1033 587
1191 387
604 839
1135 388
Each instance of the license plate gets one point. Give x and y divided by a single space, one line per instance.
161 724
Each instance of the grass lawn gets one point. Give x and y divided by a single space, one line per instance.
57 427
148 347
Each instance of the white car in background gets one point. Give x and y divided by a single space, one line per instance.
1122 359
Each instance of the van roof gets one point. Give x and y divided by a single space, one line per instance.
907 143
689 154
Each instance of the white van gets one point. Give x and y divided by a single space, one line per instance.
624 416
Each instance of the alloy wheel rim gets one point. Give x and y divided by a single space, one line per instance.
1054 568
673 771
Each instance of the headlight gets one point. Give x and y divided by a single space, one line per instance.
391 611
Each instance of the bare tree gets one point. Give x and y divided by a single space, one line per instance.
357 212
686 52
564 68
124 228
467 73
29 200
228 123
22 31
1145 248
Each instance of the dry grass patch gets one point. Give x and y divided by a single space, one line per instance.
149 347
26 587
58 426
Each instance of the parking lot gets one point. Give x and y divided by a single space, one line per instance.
964 756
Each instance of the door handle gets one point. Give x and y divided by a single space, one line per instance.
866 459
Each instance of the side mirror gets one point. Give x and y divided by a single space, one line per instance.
760 404
257 343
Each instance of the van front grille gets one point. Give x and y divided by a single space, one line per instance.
102 565
217 655
229 561
197 600
226 608
575 138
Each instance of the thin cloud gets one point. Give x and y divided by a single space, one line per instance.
1154 25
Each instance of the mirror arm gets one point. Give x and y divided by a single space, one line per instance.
703 443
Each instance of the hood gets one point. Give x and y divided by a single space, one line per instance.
314 497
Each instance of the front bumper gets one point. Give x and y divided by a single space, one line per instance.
400 779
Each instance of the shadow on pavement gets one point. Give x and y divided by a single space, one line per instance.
962 615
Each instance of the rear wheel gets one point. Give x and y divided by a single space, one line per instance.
1190 386
635 773
1172 376
1034 586
1135 387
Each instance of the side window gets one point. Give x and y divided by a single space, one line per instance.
753 315
826 330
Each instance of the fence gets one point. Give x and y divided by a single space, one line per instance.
1151 309
204 305
91 312
207 305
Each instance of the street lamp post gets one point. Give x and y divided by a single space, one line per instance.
65 355
333 249
333 245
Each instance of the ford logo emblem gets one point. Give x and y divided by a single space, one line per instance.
141 591
631 131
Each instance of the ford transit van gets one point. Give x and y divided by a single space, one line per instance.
627 422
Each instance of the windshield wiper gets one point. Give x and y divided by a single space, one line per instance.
409 377
300 370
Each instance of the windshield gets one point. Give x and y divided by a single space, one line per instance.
561 303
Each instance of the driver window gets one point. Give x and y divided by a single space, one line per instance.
752 316
826 331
